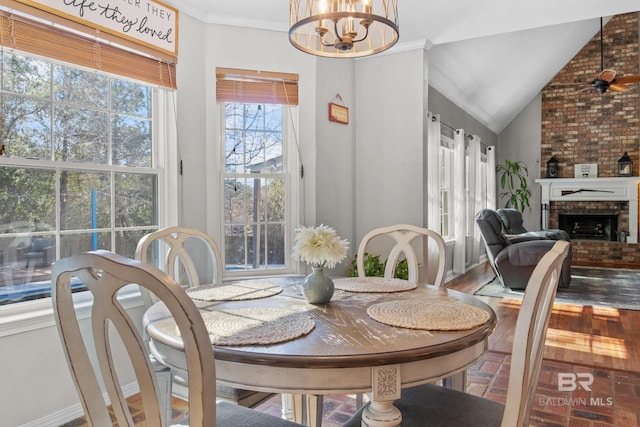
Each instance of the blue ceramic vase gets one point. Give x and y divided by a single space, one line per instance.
317 287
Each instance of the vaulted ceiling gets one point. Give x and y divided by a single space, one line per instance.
489 58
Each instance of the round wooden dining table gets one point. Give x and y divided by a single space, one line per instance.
346 351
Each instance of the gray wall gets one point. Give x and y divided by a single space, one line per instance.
520 140
457 118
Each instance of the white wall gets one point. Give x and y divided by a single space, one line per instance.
520 140
357 176
389 158
192 122
32 361
36 388
202 49
335 152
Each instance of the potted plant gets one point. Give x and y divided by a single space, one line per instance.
373 267
513 183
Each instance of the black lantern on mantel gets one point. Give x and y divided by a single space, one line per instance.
552 168
624 165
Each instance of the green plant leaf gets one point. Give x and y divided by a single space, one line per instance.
373 267
514 195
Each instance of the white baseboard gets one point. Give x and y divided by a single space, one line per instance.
74 411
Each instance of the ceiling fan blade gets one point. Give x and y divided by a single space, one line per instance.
607 75
627 79
583 89
618 87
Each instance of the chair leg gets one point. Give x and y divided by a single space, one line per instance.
457 381
288 407
298 408
164 379
307 409
314 405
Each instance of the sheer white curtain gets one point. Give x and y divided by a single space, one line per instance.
459 202
433 172
491 177
477 196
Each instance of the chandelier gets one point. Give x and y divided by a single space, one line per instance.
343 28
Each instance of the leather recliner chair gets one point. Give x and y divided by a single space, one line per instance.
513 262
512 224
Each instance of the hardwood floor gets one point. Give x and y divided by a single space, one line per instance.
581 335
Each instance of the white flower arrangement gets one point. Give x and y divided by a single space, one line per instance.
320 246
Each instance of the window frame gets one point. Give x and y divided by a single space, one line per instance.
292 180
35 314
445 163
468 186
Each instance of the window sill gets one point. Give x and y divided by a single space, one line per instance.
37 314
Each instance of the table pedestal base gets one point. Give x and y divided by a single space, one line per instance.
381 414
386 388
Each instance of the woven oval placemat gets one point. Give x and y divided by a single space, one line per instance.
429 314
256 326
234 292
373 284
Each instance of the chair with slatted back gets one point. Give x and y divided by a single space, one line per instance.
429 268
446 407
425 254
174 250
105 274
179 252
405 241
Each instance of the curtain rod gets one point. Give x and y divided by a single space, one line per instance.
433 119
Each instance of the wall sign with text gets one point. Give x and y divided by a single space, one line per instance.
338 113
147 22
585 170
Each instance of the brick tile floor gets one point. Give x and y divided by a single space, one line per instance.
612 401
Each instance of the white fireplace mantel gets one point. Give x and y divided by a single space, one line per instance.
592 189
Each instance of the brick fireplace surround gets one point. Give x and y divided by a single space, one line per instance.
589 127
617 196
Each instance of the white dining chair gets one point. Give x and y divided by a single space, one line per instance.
423 249
179 251
442 406
105 274
425 253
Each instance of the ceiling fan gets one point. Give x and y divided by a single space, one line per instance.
607 78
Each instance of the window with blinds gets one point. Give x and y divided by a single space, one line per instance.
80 149
44 35
258 154
248 86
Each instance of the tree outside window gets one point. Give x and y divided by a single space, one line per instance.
76 172
255 187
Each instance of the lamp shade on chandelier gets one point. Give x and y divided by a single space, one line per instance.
343 28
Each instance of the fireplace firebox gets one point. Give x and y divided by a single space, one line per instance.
581 226
594 192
